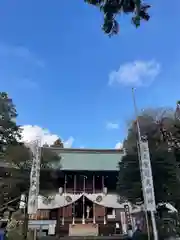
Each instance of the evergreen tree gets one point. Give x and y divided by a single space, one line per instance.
163 162
10 135
16 158
16 177
9 130
171 136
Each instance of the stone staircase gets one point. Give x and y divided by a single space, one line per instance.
79 230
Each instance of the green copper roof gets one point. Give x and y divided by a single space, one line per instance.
88 159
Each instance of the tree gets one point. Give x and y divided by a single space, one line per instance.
16 157
10 134
9 130
112 8
171 136
16 178
163 161
16 160
58 143
51 167
21 166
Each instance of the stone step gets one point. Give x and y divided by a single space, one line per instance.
83 230
119 237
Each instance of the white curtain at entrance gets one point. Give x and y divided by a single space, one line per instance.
109 200
58 201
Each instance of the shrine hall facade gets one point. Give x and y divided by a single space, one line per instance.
85 201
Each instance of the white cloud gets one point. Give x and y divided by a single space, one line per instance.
31 133
111 125
119 145
20 52
137 73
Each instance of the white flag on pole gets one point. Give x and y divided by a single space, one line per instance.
34 178
147 179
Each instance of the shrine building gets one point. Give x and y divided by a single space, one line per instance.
85 202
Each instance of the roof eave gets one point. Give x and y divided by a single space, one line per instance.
86 150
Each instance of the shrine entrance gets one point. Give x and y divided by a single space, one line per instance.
83 207
83 222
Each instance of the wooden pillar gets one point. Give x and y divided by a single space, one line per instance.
102 183
68 211
105 220
59 214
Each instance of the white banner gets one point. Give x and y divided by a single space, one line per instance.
147 179
34 178
123 222
51 229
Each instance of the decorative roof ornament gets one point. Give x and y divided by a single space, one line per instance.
144 138
121 199
48 200
99 198
68 199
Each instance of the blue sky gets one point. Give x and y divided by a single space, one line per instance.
56 63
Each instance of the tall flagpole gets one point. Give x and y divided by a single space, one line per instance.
94 209
65 181
103 192
139 158
74 192
84 188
